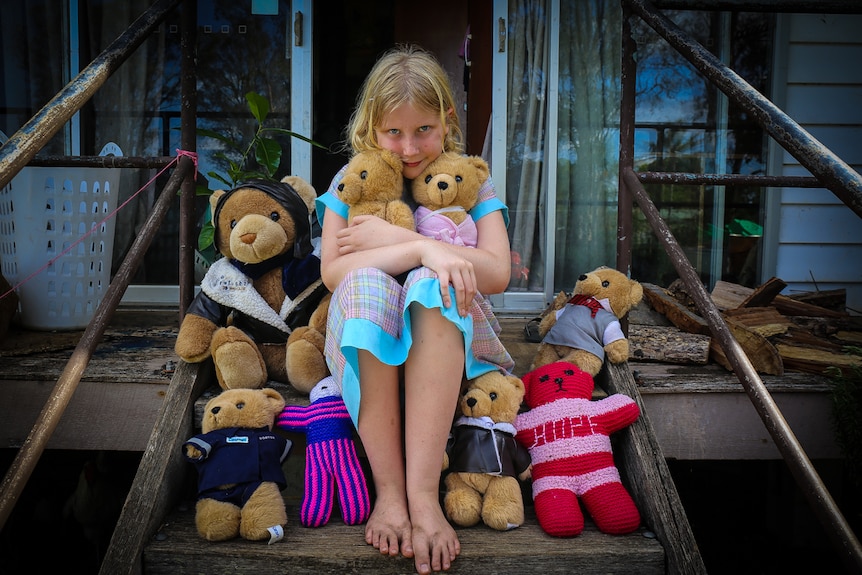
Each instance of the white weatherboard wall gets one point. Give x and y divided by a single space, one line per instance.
819 238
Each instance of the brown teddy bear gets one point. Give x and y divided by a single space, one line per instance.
582 328
446 191
482 457
266 286
238 458
372 185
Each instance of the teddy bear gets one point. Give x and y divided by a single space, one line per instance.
584 328
330 457
568 437
372 185
266 286
446 191
238 459
483 461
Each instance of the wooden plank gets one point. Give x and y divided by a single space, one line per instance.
111 416
834 299
727 295
160 475
761 353
764 294
678 314
337 549
667 344
725 426
648 478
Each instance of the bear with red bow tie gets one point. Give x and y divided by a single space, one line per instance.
568 437
584 328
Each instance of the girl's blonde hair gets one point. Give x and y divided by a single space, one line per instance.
406 74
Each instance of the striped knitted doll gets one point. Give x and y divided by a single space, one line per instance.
567 435
330 457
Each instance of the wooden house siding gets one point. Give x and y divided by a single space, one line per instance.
819 240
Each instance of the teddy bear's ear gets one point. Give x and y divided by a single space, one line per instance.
214 198
392 159
481 166
274 398
517 383
305 190
636 293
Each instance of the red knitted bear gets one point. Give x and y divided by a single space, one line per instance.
567 435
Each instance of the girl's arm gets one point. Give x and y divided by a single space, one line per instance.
372 242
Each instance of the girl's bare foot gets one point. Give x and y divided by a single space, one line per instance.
388 528
435 543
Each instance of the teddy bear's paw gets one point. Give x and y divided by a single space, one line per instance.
193 339
462 503
263 511
585 360
463 508
617 351
306 365
217 520
503 507
503 519
239 366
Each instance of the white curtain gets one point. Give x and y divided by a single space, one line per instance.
588 146
587 137
525 148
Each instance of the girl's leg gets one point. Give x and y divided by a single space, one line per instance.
433 374
388 527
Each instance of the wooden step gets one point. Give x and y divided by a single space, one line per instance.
340 549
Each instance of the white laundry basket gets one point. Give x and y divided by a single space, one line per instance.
43 211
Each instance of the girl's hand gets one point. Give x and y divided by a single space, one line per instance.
451 269
366 233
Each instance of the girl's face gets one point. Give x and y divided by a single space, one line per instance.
415 135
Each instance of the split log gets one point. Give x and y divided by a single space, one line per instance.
728 295
671 308
764 294
763 355
815 360
834 299
764 320
667 344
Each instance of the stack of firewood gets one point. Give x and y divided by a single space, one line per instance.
806 332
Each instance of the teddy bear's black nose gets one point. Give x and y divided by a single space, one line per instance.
582 277
341 187
442 185
215 409
471 402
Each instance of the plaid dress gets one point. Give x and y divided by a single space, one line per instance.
369 311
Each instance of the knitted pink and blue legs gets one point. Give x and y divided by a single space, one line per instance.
330 463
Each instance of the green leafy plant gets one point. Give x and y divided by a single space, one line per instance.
846 387
259 158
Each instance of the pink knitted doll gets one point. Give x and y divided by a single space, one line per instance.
330 457
567 435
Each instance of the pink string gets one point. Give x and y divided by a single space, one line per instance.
180 154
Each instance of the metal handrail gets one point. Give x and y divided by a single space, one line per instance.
24 144
16 153
829 170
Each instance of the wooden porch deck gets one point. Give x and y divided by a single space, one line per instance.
127 385
130 371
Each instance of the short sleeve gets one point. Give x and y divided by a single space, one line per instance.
489 202
331 200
